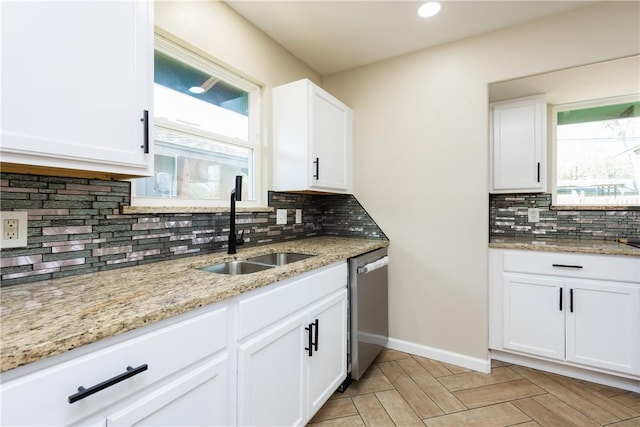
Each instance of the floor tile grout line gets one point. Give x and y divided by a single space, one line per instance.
385 410
425 391
488 406
401 395
551 377
552 393
420 388
499 383
565 389
406 401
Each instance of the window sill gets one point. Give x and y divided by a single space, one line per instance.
593 208
136 210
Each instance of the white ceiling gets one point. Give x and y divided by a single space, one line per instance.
603 80
332 36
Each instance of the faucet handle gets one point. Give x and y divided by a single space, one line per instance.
240 241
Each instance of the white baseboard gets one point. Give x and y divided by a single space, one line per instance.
484 366
569 371
480 365
373 339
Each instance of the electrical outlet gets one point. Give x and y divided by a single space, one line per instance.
298 216
533 214
281 216
14 229
10 229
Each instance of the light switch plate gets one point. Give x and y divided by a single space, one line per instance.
298 216
14 229
533 215
281 216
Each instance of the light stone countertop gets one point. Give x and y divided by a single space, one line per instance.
605 247
50 317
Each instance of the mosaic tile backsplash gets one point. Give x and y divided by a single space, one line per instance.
508 218
76 226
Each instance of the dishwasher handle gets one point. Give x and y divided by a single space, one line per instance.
372 266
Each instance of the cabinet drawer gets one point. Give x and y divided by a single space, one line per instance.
602 267
268 306
41 397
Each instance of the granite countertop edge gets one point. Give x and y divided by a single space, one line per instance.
50 317
605 247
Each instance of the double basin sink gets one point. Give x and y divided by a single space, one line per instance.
256 263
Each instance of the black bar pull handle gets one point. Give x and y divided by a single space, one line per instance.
315 334
317 163
538 171
145 125
560 299
309 349
85 392
566 266
571 300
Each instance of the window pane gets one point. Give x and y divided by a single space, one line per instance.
598 161
190 167
203 117
197 99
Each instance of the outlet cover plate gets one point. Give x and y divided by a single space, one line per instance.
13 226
281 216
533 214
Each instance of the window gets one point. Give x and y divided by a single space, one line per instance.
206 122
598 153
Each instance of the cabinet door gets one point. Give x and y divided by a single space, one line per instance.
603 326
518 145
199 397
533 310
271 376
327 365
40 397
331 134
76 78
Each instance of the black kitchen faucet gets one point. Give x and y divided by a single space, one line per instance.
236 194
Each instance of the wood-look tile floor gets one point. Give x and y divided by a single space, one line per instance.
400 389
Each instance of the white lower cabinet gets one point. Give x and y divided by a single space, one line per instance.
327 365
603 325
168 380
533 322
550 306
197 398
292 349
272 356
271 376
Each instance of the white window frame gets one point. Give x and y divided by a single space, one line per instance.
176 50
554 137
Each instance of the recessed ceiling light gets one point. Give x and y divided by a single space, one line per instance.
429 9
196 89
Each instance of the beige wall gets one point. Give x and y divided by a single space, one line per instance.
421 143
214 29
421 159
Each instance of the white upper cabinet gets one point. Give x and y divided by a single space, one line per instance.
518 147
77 78
312 140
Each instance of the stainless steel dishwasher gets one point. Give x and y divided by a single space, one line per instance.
368 311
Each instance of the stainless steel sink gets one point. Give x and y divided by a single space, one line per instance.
237 267
280 258
256 263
